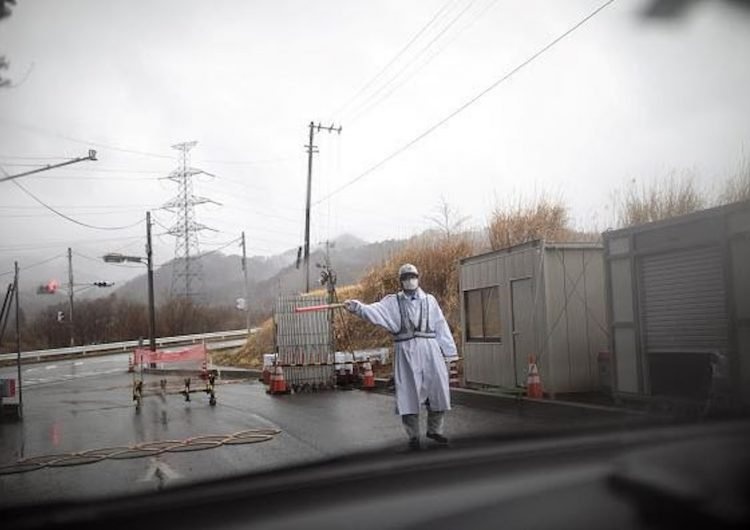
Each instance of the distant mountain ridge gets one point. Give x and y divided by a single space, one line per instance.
267 276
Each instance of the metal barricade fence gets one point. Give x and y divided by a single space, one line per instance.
303 342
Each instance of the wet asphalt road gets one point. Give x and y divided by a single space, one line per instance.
86 404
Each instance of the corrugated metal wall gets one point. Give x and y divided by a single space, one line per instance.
576 318
562 320
739 232
738 228
493 363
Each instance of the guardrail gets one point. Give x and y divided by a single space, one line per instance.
119 347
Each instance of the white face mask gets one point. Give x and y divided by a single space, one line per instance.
411 284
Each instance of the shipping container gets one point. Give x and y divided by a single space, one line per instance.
678 303
540 298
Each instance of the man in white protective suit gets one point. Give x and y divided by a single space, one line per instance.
423 348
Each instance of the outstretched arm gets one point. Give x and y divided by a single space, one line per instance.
384 313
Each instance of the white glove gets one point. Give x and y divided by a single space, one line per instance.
351 305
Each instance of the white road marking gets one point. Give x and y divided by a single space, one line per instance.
160 472
51 367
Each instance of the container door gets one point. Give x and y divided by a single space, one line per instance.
522 308
685 318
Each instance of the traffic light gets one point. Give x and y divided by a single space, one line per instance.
48 288
60 316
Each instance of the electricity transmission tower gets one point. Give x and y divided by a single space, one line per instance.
187 272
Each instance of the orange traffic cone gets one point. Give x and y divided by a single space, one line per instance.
533 381
368 378
278 383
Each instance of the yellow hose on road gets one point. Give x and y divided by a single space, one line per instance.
140 450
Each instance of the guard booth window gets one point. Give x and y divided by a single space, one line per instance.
483 314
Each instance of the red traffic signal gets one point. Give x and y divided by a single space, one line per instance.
48 288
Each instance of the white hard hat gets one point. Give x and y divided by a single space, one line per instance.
407 268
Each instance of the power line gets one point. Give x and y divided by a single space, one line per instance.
80 223
84 256
468 103
292 237
44 132
37 264
127 245
11 164
93 169
100 179
236 240
255 211
367 109
38 215
55 244
223 244
410 62
369 83
58 243
15 157
162 225
279 160
80 206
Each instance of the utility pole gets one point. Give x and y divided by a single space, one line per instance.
150 267
114 257
18 342
311 148
70 296
244 273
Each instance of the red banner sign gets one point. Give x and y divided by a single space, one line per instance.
193 353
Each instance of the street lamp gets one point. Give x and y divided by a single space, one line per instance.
149 262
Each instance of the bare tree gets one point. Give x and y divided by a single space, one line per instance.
447 218
737 187
5 12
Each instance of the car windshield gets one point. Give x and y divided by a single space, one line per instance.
245 236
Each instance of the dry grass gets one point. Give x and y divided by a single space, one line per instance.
436 257
522 221
737 188
251 355
675 195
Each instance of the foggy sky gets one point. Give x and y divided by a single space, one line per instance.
621 98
